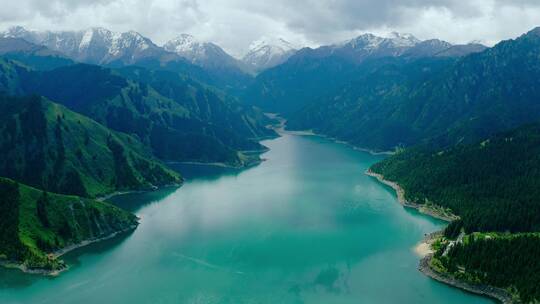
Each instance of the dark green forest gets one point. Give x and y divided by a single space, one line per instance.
494 186
477 181
36 223
508 261
401 102
45 145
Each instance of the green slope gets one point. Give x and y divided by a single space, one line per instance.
404 103
35 224
33 56
494 186
47 146
507 261
289 87
181 120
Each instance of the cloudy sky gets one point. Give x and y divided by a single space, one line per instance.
234 24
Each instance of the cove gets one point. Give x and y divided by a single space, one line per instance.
305 226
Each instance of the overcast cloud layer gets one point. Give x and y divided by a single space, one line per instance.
234 24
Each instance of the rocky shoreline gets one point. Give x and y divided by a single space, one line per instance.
425 262
431 211
281 128
116 193
484 290
61 252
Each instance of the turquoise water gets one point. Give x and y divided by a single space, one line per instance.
305 226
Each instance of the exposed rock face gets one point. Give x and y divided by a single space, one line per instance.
95 45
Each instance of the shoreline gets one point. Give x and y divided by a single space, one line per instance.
427 210
244 165
280 128
423 249
60 252
105 197
337 141
484 290
221 165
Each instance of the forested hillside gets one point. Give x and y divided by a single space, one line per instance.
402 104
47 146
91 130
190 123
31 55
37 223
508 261
494 186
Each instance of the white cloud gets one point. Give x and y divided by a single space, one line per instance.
234 24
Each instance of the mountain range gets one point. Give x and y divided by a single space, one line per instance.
73 130
94 45
104 47
401 102
462 123
328 68
87 113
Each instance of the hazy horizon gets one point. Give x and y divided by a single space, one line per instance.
235 24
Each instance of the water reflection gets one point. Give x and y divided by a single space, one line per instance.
306 226
14 278
73 258
134 201
205 172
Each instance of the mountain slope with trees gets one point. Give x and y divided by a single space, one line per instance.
47 146
314 73
470 98
35 224
493 186
216 132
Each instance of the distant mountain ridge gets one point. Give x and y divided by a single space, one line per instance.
95 45
206 61
369 46
448 101
310 73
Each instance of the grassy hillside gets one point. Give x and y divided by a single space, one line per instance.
36 223
181 120
47 146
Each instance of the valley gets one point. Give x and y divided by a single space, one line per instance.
121 157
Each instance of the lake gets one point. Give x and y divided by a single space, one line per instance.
304 226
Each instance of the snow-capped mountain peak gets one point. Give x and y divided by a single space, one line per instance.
367 41
203 53
269 52
403 39
183 43
371 42
276 44
93 45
